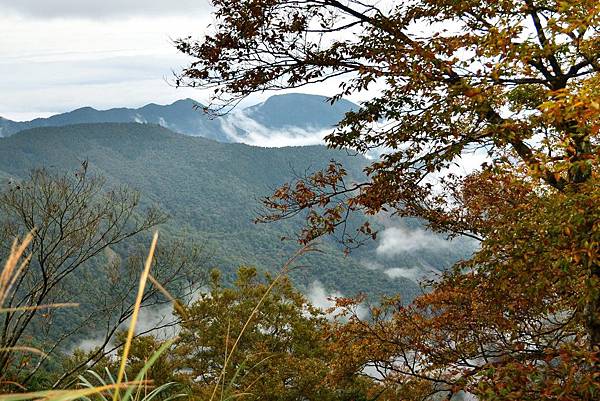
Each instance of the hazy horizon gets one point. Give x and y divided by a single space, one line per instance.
62 55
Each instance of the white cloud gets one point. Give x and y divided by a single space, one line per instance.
416 274
320 298
89 344
372 264
397 240
323 299
241 128
412 273
151 318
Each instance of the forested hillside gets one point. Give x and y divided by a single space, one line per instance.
211 192
133 266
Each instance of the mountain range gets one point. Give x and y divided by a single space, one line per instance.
295 112
184 162
211 192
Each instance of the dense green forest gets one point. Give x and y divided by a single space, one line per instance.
211 193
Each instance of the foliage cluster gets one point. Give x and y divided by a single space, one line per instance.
515 81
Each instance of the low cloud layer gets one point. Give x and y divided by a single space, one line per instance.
411 273
323 299
88 344
241 128
416 274
396 240
157 321
319 297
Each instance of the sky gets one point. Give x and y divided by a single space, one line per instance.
58 55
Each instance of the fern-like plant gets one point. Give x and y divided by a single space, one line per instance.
142 391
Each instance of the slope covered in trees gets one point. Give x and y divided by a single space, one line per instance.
211 190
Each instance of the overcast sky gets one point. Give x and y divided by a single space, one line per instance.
57 55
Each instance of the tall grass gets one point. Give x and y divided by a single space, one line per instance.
12 268
136 311
119 390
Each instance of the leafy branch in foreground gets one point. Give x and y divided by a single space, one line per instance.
508 324
516 83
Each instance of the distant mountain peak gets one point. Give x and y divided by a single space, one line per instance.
186 101
295 95
181 102
291 110
85 108
300 110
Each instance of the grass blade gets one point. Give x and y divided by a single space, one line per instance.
136 311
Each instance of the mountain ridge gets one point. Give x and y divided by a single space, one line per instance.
294 110
211 191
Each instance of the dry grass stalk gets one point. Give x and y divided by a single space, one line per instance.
282 272
24 349
66 395
176 304
8 277
12 269
38 307
136 310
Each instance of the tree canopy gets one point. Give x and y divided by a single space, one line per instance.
229 348
515 81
